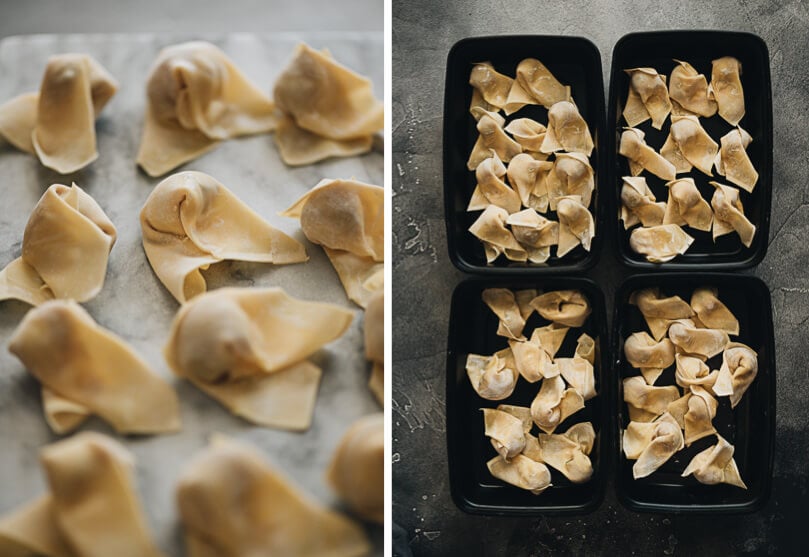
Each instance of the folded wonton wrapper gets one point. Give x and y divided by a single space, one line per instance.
91 510
550 337
538 83
660 312
263 513
689 145
586 348
645 401
504 305
347 218
528 178
696 340
660 243
576 225
701 412
726 88
197 97
65 249
58 122
374 334
92 371
638 203
490 228
327 109
692 371
191 221
642 157
732 160
686 206
506 431
739 369
522 413
715 465
493 377
570 175
729 214
554 404
299 147
568 452
523 298
532 360
493 86
521 472
567 130
533 231
528 133
688 91
579 374
357 469
477 103
492 138
490 185
566 307
711 312
650 357
247 348
327 98
652 444
647 98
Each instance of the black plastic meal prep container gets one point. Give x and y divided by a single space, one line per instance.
574 61
472 329
658 50
750 427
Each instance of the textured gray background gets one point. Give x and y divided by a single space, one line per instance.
423 32
133 303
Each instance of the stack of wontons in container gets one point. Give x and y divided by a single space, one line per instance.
695 338
688 154
566 383
534 179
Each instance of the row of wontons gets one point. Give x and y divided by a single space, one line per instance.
687 98
687 336
535 184
92 507
566 383
190 221
197 97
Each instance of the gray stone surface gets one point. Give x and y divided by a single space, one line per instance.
133 303
22 17
423 32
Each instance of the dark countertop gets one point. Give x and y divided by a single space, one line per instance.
424 280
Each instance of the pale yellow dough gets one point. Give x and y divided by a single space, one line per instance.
91 510
196 97
374 334
247 348
357 469
233 503
327 98
57 123
191 221
493 377
65 249
652 444
93 371
715 465
347 218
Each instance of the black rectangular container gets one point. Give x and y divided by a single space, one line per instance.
699 48
750 427
472 330
574 61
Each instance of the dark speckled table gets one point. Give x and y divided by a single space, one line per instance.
423 32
